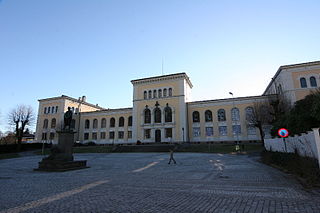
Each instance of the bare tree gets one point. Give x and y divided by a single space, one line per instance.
266 112
21 117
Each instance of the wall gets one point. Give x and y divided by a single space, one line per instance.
306 144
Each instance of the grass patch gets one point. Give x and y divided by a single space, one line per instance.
9 155
303 167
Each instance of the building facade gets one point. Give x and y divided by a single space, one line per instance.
162 111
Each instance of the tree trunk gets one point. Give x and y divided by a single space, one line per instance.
261 134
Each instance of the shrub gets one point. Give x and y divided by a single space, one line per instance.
304 167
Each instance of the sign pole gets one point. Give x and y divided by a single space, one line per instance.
285 145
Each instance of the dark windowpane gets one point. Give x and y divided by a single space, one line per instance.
87 124
221 115
112 122
130 121
103 123
313 81
208 116
95 123
196 116
53 123
157 115
147 116
121 121
168 114
86 136
303 82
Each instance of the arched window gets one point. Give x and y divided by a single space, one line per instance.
221 115
45 110
313 82
157 115
170 91
53 123
95 124
145 95
73 124
150 94
279 89
49 109
303 83
87 124
235 115
45 124
103 123
147 116
154 93
56 109
130 121
208 116
121 121
167 114
159 93
196 116
164 92
112 122
249 114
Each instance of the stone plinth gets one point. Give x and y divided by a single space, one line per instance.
61 158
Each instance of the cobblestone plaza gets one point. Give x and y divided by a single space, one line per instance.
144 182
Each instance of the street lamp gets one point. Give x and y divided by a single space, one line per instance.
231 117
183 134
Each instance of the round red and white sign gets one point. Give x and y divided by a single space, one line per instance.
283 132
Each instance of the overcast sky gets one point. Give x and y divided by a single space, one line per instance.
95 48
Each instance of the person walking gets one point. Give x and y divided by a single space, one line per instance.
171 157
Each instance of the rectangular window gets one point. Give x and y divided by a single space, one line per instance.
129 134
223 130
111 135
102 135
168 132
251 130
86 136
147 133
51 135
94 136
236 129
44 136
209 131
56 109
121 134
196 131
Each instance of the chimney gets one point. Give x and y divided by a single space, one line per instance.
84 98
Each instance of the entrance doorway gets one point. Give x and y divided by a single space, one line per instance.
158 136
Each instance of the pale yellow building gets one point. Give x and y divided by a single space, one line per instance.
162 111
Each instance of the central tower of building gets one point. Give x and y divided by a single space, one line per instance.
160 109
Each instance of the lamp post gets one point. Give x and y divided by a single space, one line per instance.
231 117
182 134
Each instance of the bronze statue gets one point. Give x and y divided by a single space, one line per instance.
67 119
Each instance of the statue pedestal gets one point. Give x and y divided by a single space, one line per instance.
61 158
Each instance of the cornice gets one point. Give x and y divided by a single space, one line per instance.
163 78
290 66
229 99
71 99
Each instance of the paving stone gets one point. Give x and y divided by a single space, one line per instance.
197 183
